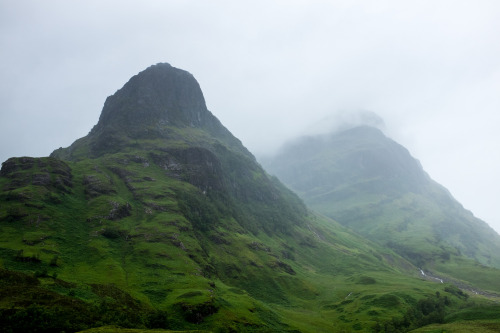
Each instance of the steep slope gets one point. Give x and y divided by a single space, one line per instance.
159 217
371 184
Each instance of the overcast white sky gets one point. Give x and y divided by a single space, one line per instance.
270 70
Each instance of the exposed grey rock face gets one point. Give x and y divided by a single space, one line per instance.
161 94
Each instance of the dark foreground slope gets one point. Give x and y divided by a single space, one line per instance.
160 218
372 185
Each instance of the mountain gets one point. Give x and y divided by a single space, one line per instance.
161 105
161 218
372 185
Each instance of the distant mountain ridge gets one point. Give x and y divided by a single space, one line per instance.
357 153
371 184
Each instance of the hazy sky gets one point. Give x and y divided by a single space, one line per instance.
270 70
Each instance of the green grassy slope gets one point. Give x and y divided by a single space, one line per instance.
135 245
472 319
163 220
372 185
121 229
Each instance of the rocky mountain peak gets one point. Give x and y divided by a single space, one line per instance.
161 102
161 94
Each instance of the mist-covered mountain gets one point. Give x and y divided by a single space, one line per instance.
161 218
371 184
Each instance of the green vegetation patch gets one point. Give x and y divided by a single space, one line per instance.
386 301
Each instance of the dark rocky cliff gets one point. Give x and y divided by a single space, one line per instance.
161 102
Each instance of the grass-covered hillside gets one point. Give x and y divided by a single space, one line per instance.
119 241
163 220
372 185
